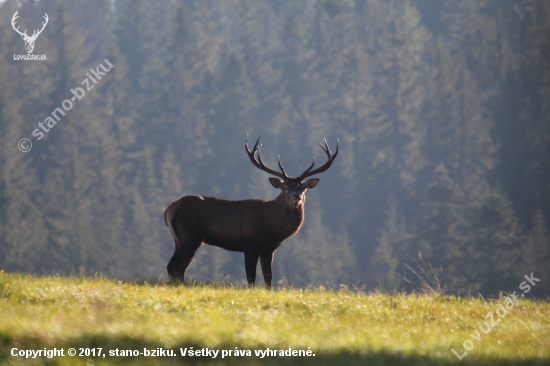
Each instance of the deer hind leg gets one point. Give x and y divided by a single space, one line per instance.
173 260
186 245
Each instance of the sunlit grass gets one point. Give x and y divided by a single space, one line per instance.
338 326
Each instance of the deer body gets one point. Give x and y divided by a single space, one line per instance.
232 225
255 227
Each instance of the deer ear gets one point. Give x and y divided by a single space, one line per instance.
276 183
311 183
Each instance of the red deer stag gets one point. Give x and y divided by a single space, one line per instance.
255 227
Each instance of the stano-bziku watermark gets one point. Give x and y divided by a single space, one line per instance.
92 78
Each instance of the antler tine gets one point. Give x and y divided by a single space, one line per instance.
284 176
260 160
259 163
255 145
326 149
46 18
310 167
281 166
14 20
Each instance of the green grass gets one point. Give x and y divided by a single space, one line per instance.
340 327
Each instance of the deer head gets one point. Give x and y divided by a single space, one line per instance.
29 40
294 189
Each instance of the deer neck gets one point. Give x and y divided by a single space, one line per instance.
286 220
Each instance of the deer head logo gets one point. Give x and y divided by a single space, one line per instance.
29 40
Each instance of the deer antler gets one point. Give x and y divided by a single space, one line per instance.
24 34
308 172
259 163
13 21
43 26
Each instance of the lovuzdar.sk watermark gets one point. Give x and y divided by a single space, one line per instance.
29 40
93 77
491 321
30 57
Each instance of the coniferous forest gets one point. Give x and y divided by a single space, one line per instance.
442 109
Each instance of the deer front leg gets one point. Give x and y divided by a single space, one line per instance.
265 262
250 263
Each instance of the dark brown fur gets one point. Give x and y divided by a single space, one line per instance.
255 227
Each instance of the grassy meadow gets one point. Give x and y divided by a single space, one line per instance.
340 327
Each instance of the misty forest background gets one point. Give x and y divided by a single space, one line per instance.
442 109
